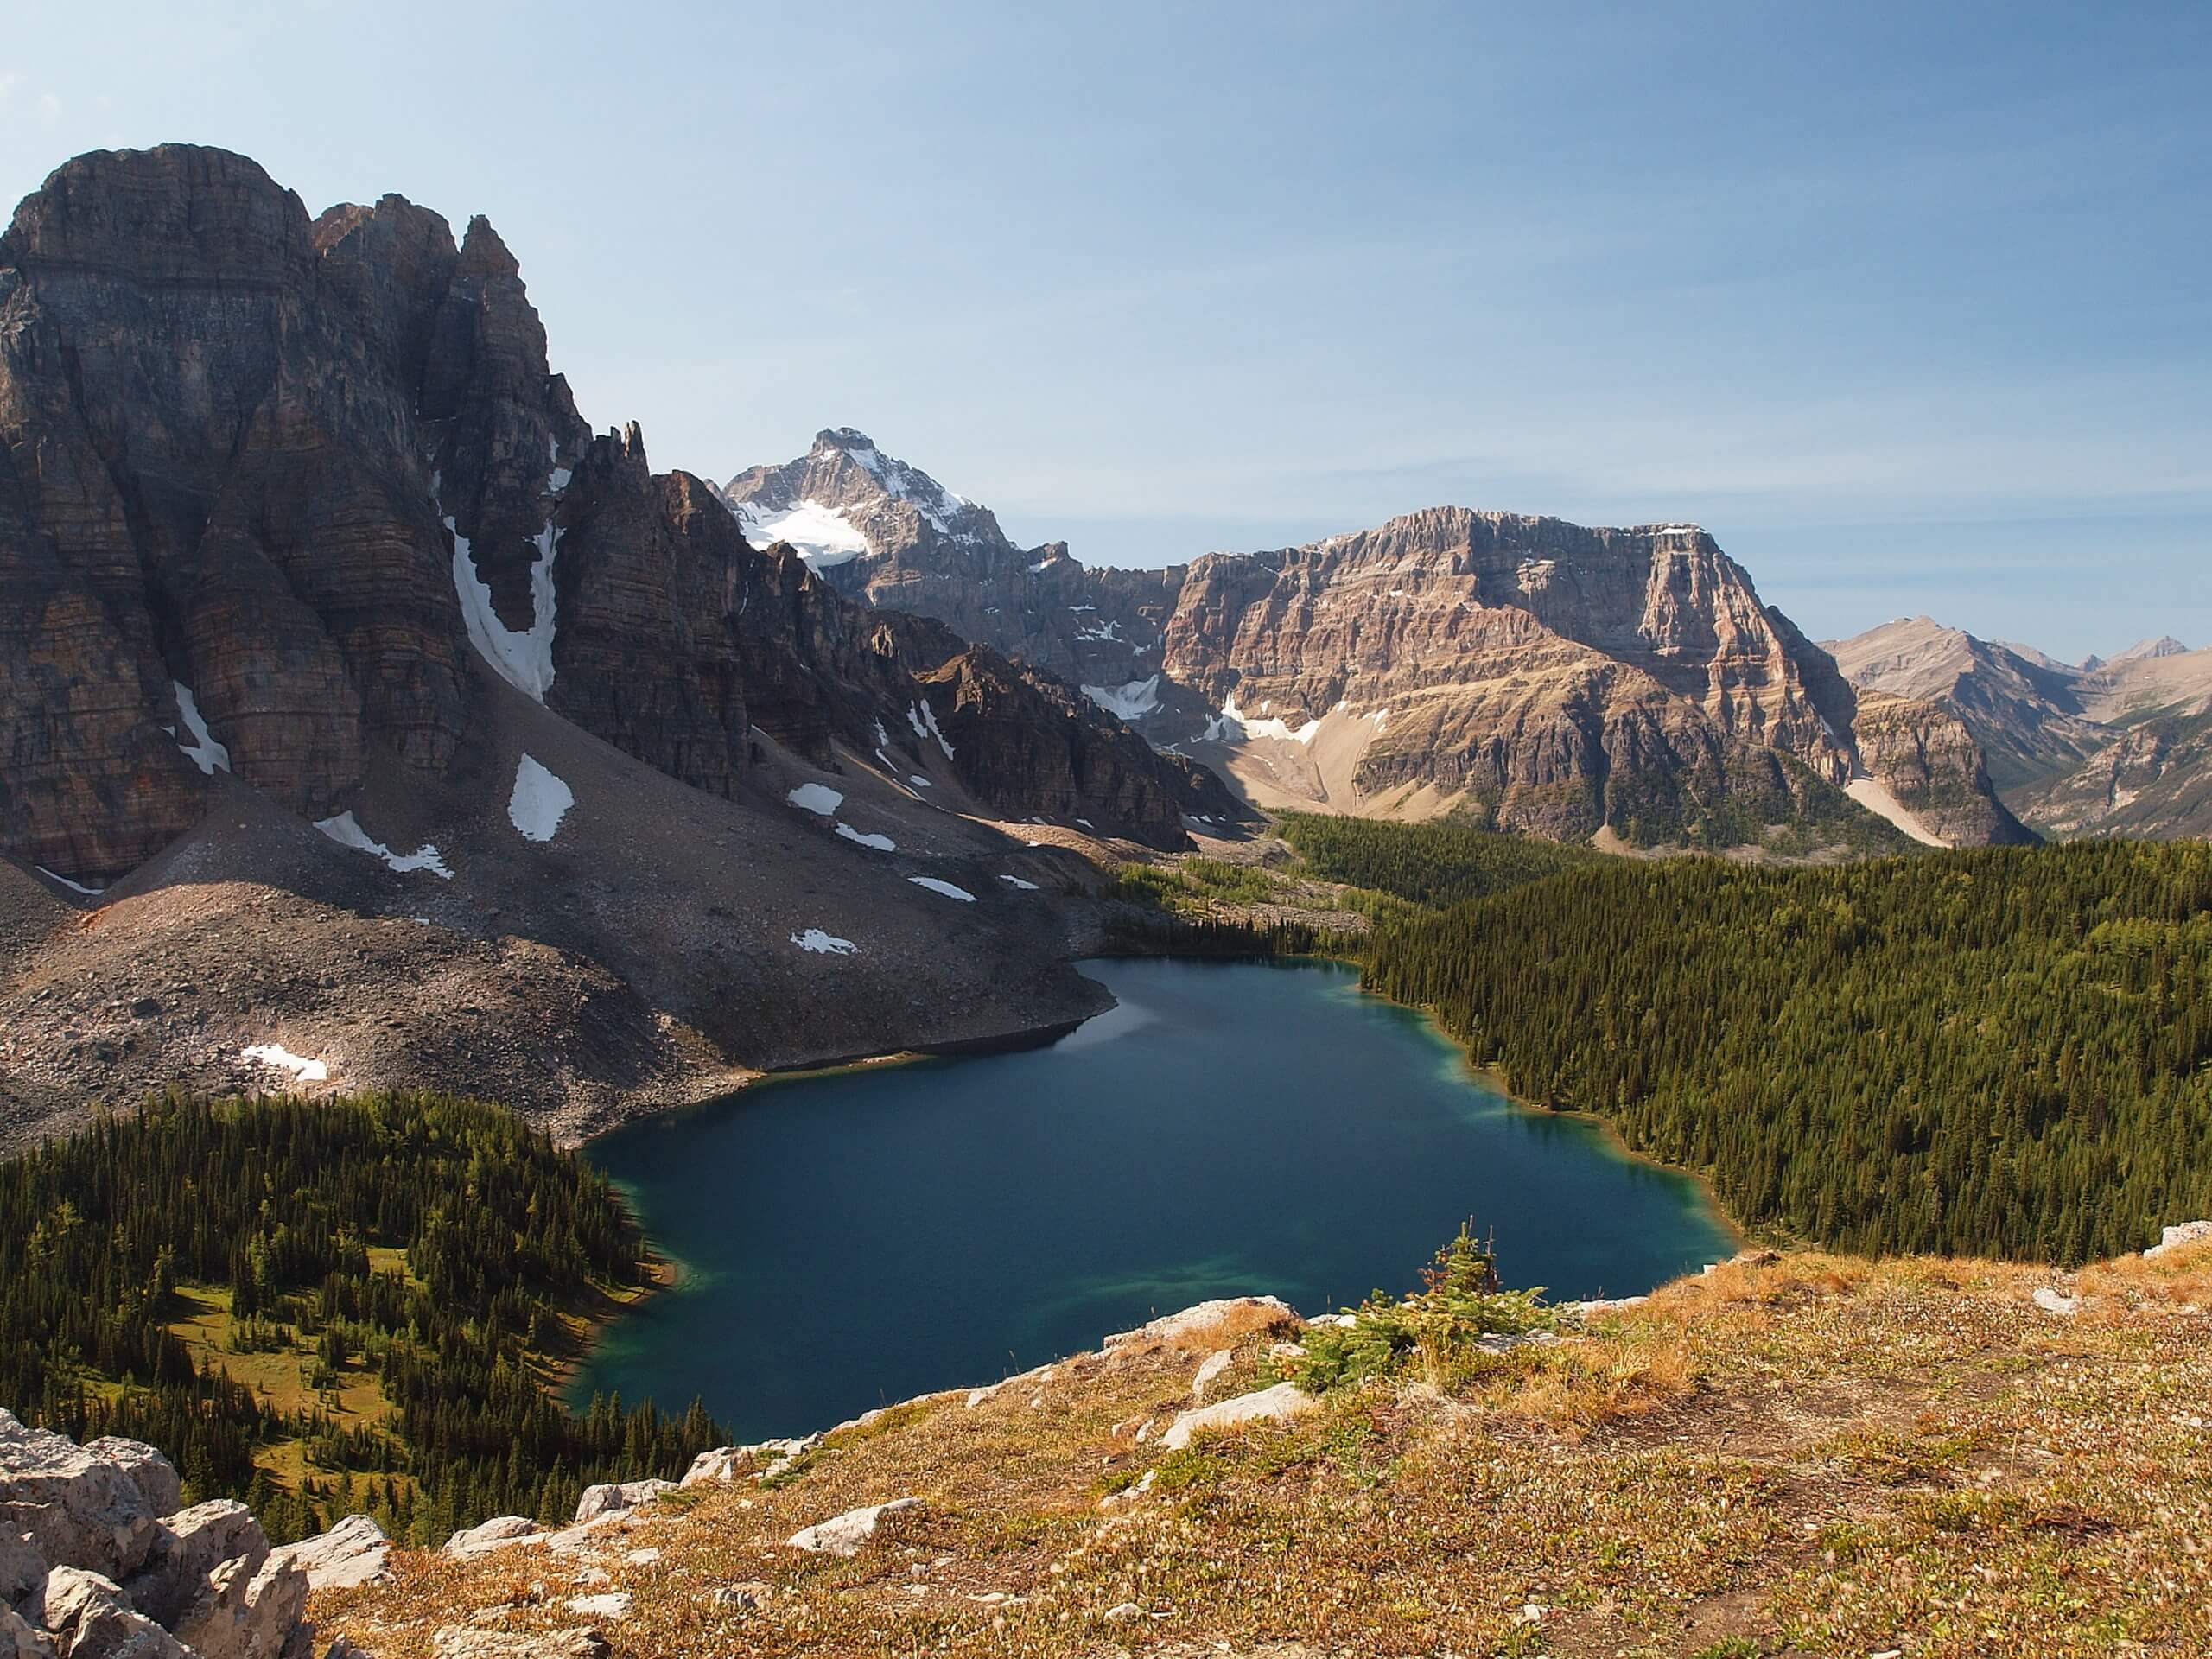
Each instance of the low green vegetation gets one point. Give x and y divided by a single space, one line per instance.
352 1305
1209 907
1435 1334
1445 862
1198 887
2005 1051
1761 799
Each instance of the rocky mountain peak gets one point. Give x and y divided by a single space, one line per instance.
2149 650
172 211
845 501
484 254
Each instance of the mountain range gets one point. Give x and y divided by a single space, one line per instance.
367 716
2118 746
1625 686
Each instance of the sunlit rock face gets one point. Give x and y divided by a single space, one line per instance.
1560 679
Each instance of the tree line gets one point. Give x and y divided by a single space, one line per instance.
2005 1051
275 1206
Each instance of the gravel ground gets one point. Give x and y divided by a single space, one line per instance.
644 957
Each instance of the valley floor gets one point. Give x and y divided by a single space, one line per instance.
1800 1454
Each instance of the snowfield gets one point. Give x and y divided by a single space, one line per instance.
348 832
1233 725
817 798
275 1054
923 719
944 888
524 660
819 533
203 751
881 844
828 945
1016 881
538 802
1131 702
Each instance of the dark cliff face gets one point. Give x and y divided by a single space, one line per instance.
643 655
222 482
304 485
1030 743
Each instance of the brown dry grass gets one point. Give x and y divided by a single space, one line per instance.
1800 1455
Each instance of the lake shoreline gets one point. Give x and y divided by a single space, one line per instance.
600 1308
1038 1180
1497 1082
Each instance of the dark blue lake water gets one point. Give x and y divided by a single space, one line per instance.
857 1238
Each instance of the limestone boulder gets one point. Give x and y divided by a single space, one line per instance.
21 1639
725 1464
599 1502
1282 1403
1206 1325
501 1532
2177 1237
1209 1367
91 1512
249 1610
843 1535
90 1619
354 1552
22 1573
188 1547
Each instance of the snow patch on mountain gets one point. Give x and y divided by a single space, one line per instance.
827 944
346 831
944 888
818 798
1132 702
204 752
524 660
276 1055
821 535
923 719
538 802
881 844
1233 725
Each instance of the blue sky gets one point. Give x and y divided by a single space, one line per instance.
1911 305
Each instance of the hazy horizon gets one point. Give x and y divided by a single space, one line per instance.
1906 306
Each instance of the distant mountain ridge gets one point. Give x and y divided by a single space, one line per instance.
2118 745
1572 682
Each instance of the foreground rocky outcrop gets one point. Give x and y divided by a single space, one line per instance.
99 1560
1788 1453
1552 678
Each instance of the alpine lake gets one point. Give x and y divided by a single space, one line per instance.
853 1238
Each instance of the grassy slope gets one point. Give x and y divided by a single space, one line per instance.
282 1377
1807 1454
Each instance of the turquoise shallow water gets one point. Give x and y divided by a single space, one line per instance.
863 1237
